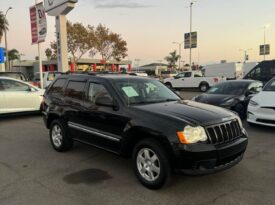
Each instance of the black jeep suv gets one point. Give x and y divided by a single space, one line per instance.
142 118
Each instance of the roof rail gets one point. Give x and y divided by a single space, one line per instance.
94 73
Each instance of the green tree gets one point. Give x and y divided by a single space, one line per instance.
172 59
79 42
49 53
109 44
13 55
4 25
82 40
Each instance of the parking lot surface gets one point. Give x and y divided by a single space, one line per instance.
31 172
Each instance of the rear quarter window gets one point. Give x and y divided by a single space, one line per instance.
57 87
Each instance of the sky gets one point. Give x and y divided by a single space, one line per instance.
150 26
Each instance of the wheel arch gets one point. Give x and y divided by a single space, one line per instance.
137 134
51 118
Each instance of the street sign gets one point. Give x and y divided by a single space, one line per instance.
264 49
2 55
38 23
194 40
59 7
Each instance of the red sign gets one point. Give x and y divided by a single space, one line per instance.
38 23
33 24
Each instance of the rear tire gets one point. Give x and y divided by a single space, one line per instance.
59 136
151 164
204 87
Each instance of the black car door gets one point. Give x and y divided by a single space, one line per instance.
73 105
103 119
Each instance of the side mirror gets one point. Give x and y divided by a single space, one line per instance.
104 101
259 89
249 92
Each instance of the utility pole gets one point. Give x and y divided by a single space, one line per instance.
245 53
265 27
190 54
6 42
40 60
179 50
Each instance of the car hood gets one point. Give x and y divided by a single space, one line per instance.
265 98
214 99
190 111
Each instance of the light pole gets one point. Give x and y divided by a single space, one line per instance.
190 55
6 41
19 56
137 64
265 27
245 53
179 50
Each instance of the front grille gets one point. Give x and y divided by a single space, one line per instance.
223 133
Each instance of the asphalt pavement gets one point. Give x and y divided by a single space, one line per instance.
32 173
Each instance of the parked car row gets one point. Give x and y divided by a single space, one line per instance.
246 97
139 117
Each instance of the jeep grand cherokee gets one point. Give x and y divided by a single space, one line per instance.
142 118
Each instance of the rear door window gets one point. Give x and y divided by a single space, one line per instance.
75 90
11 86
57 87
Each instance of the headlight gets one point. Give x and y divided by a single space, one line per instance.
228 102
192 135
253 103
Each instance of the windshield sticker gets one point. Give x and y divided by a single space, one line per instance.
130 91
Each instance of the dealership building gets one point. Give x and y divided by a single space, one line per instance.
29 67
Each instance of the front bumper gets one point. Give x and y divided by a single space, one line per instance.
261 116
202 158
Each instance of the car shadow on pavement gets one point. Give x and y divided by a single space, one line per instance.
16 116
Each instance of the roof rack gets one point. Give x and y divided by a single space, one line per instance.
94 73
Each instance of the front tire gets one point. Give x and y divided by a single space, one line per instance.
59 136
204 87
151 164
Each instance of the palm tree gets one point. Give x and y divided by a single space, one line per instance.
13 55
172 59
4 25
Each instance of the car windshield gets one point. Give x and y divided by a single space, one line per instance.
270 86
144 91
229 88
